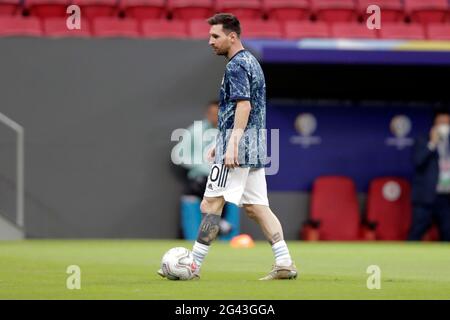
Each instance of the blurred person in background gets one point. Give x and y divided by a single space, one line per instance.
196 178
431 182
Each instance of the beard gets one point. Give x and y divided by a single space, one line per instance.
220 52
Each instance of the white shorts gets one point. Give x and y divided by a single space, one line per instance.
239 185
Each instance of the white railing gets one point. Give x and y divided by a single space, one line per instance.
20 167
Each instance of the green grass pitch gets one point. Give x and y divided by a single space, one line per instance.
112 269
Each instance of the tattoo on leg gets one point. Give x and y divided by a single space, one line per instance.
275 238
209 229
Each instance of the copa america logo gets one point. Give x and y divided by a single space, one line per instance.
400 127
306 125
391 191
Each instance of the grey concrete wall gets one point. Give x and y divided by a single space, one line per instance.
291 209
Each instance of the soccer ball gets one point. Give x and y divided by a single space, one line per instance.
178 264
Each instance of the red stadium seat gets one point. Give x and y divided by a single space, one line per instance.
9 7
305 29
144 9
114 27
432 234
97 8
164 29
56 27
427 11
261 29
284 10
248 9
191 9
391 10
352 30
198 29
438 31
334 211
47 8
19 26
389 208
402 31
334 10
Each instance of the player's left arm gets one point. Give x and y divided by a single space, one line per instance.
239 81
241 115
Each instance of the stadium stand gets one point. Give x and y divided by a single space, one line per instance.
285 10
392 10
402 31
47 8
428 11
332 11
438 31
56 27
9 7
18 26
249 9
190 9
305 29
261 29
164 29
112 27
334 213
144 9
97 8
352 30
198 29
275 19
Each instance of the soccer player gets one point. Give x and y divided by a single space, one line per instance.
238 173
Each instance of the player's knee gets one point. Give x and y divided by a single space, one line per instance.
210 206
251 211
205 206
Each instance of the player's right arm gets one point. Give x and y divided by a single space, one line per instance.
239 83
242 113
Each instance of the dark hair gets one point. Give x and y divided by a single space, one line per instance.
440 111
229 22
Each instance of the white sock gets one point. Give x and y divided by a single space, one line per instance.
199 251
281 253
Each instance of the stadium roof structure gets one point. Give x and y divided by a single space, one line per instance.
345 51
